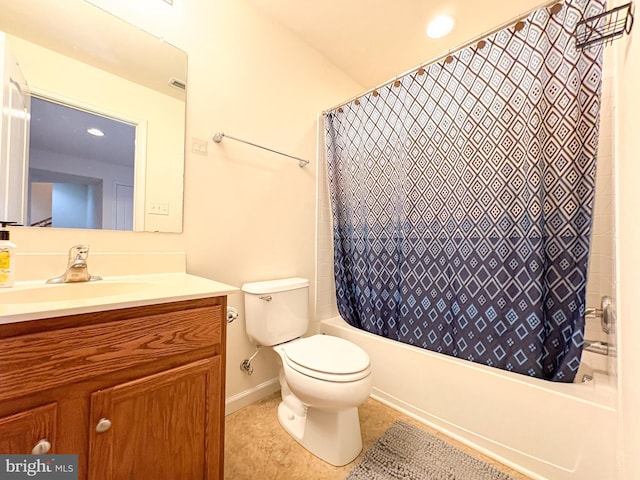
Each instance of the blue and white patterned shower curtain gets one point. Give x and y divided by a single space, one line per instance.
462 200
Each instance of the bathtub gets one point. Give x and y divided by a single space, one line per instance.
543 429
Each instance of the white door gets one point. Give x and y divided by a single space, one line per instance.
124 207
14 137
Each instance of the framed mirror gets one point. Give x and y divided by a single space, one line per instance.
70 69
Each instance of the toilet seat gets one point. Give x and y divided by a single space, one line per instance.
327 358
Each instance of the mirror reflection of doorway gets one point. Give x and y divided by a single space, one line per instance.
81 168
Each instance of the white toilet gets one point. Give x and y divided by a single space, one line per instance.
323 379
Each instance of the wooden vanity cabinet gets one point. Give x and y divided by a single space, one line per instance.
137 393
157 424
29 430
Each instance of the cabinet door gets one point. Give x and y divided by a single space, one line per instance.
30 431
164 426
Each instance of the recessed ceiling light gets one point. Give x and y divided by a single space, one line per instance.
440 26
95 132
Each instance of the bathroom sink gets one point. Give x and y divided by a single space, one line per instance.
47 293
34 299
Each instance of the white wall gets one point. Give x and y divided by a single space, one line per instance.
249 215
627 141
326 304
602 256
601 275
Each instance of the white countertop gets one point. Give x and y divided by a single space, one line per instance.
35 300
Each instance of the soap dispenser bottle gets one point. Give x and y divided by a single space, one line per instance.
7 249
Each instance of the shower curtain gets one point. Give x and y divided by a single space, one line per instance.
462 199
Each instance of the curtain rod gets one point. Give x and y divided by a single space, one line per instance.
217 137
447 53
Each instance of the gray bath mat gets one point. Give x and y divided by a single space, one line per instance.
407 452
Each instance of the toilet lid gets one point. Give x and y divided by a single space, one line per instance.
320 355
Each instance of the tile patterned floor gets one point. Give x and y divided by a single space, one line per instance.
257 448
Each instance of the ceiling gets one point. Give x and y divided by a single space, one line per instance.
60 129
374 41
86 33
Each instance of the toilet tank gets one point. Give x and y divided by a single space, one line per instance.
276 311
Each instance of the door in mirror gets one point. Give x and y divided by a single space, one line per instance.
14 132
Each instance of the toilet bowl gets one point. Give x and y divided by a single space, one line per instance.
323 379
320 397
325 371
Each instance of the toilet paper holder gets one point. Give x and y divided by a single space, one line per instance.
232 314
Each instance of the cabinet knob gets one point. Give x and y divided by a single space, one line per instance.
42 447
103 425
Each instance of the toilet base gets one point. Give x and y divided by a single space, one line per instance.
332 435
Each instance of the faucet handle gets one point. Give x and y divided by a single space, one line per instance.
77 267
79 252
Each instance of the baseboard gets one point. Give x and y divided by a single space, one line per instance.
252 395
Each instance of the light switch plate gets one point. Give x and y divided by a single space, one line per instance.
199 146
158 208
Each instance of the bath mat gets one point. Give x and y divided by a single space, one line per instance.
407 452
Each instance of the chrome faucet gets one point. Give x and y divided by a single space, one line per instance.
77 267
601 348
